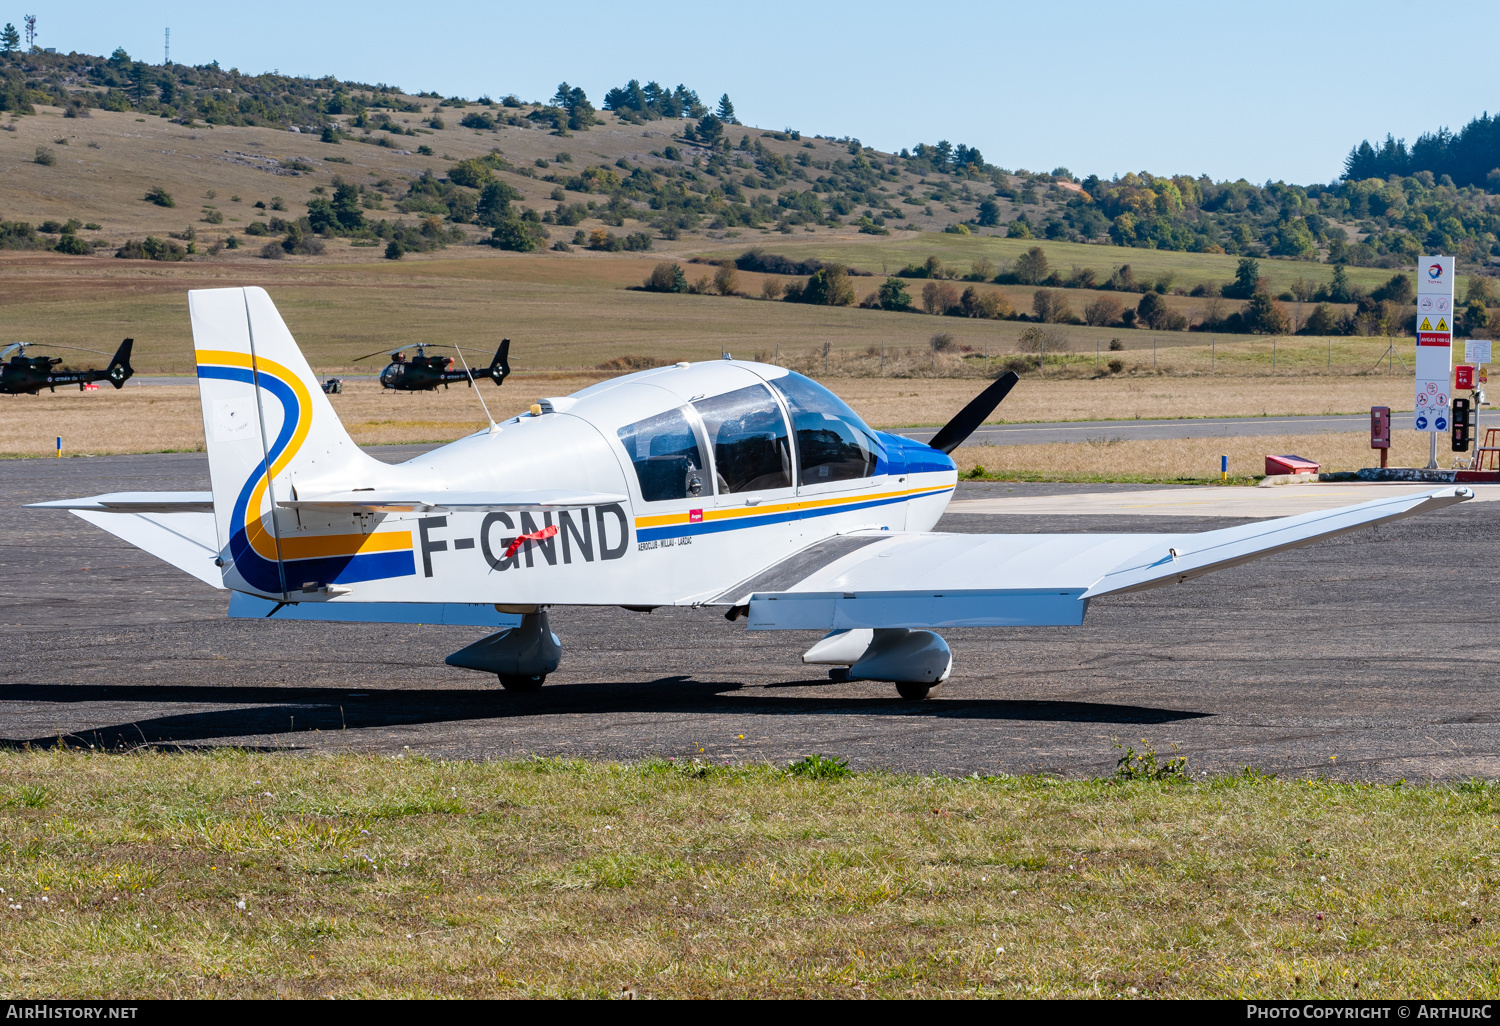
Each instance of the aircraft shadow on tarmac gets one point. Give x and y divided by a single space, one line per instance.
281 712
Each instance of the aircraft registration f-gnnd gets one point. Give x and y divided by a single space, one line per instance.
723 484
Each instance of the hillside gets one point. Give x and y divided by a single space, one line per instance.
195 130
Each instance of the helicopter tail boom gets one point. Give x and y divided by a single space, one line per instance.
120 370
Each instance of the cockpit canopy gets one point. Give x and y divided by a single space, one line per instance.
741 441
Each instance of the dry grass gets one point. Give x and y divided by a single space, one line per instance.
1107 458
168 417
235 875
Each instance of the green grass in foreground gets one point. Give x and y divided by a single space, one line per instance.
233 874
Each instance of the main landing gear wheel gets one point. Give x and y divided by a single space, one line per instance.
511 682
914 691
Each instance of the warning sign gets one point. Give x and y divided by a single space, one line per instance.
1433 338
1426 325
1442 325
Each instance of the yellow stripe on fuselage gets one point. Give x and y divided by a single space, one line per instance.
672 519
318 546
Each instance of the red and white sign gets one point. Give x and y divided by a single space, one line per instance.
1434 329
1463 377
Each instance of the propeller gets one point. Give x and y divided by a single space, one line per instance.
971 416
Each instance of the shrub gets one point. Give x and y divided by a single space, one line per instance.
213 216
45 156
394 250
472 173
516 235
1116 366
1042 340
988 305
1116 346
1031 266
957 229
939 297
1103 311
273 251
1322 321
772 289
156 194
666 277
72 245
151 248
893 295
943 342
1050 306
828 287
726 280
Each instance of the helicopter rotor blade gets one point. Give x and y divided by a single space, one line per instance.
385 352
23 346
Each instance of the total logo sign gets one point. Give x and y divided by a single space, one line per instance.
1435 278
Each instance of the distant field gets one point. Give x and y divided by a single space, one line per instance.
881 255
564 312
168 417
260 875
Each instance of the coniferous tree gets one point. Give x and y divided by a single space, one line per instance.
10 39
725 113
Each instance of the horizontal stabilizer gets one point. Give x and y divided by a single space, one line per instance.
136 502
462 614
387 500
1012 580
185 540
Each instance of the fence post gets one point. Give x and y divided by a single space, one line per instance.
1213 352
1330 352
882 359
1273 354
1153 354
1096 352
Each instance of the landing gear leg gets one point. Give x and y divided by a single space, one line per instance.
521 657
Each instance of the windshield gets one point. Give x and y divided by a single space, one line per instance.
749 439
667 457
833 444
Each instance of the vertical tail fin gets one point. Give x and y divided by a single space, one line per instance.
269 429
120 370
500 366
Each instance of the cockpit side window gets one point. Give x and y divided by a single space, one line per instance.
749 439
667 455
833 444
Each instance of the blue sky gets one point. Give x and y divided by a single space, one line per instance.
1271 90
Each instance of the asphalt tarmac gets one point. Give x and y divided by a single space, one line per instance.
1371 657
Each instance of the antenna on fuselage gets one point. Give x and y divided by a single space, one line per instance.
494 428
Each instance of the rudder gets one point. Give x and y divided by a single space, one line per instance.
269 430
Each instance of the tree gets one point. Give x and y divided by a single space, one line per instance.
1031 266
494 203
1397 290
1246 277
726 279
725 111
1322 321
1476 318
893 295
710 128
10 39
1263 315
989 213
939 297
1050 306
666 277
1103 311
515 234
346 207
828 286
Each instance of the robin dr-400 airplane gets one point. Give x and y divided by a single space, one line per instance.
723 484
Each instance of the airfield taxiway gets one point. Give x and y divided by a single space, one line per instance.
1372 656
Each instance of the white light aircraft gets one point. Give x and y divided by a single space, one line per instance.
725 484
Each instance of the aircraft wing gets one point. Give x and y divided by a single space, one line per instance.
386 500
881 579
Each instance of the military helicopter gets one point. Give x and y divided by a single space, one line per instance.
31 374
423 373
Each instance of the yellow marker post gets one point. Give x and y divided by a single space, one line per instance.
1223 468
59 446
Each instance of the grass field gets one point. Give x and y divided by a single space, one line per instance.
242 875
170 418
